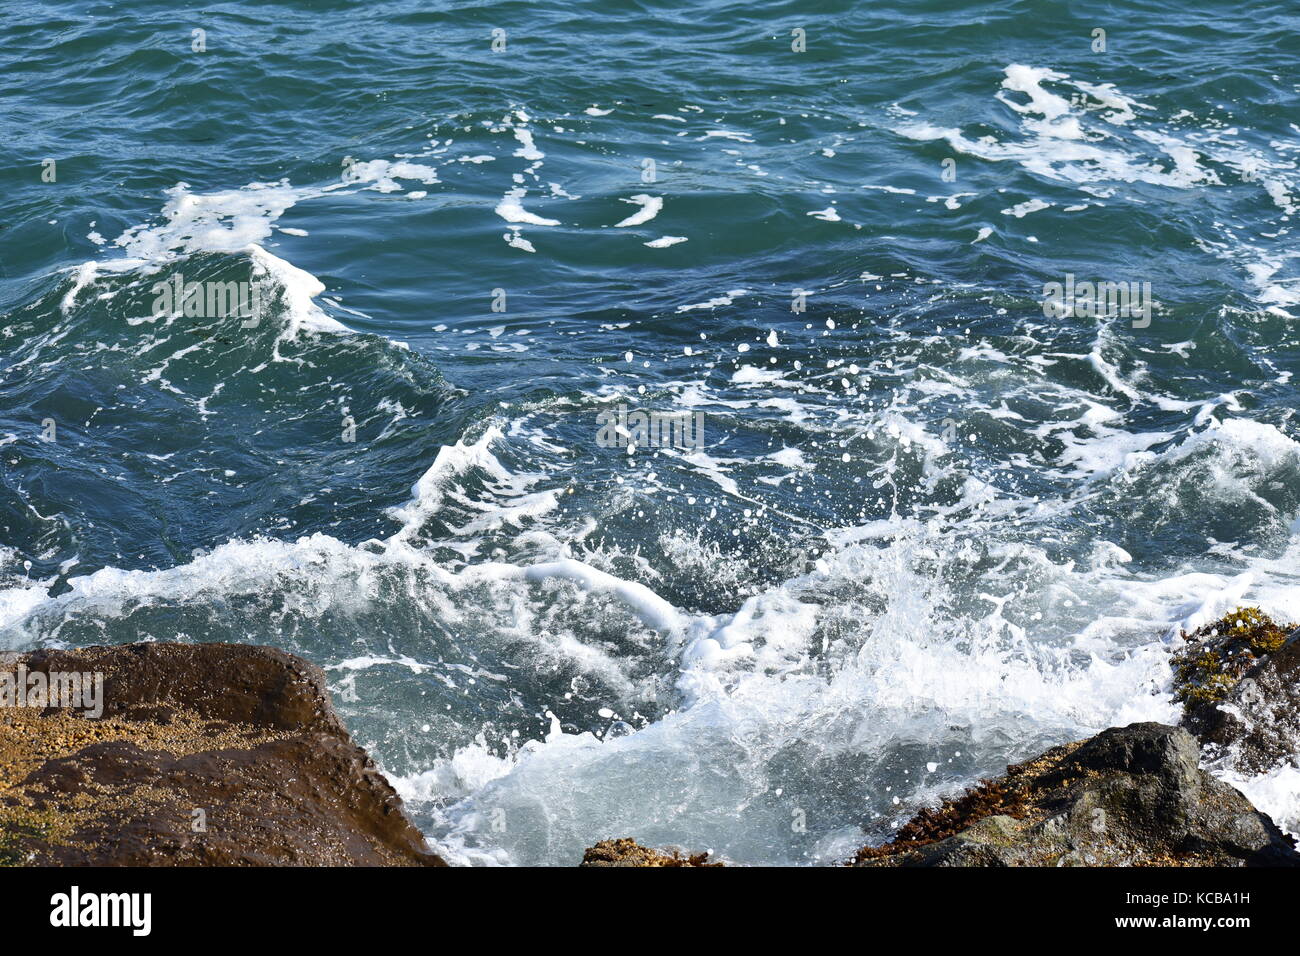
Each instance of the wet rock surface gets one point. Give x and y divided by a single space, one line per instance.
627 852
1130 796
207 754
1212 659
1255 725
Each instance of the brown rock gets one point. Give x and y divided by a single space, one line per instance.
627 852
206 754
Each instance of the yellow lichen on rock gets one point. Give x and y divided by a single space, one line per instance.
1216 655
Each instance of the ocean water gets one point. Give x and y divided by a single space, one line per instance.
935 513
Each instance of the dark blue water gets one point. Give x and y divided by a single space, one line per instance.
928 524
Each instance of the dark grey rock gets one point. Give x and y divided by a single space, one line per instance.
1129 796
1257 726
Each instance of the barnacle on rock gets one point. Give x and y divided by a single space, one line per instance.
1216 656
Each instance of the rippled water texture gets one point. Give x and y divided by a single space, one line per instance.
930 525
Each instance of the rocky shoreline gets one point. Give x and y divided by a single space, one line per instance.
1135 795
232 755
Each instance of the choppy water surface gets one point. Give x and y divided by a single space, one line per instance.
929 527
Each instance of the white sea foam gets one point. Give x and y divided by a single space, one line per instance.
527 146
382 175
650 207
1055 145
1020 210
300 288
511 210
1100 136
1276 792
715 302
231 221
859 655
750 697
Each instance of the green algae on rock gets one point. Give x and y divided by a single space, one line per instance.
1255 727
1214 657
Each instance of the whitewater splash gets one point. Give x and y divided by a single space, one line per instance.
918 545
838 699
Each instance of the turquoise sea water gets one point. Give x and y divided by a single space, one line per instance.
930 525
